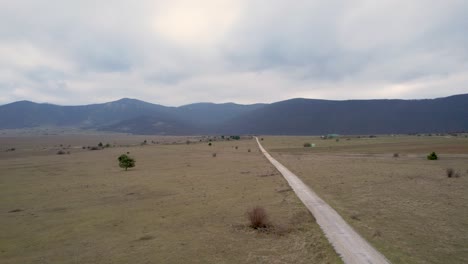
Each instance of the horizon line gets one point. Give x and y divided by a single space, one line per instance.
294 98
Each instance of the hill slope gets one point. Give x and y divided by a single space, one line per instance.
290 117
307 116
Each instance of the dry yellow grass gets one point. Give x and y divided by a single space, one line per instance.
178 205
406 206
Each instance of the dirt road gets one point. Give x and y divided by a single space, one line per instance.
352 248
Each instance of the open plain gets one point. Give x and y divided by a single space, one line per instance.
402 203
178 205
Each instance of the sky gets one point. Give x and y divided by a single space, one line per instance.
177 52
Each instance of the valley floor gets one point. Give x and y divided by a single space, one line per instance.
405 206
178 205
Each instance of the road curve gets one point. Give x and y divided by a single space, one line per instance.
352 248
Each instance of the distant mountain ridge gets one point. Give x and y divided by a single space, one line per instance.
309 116
289 117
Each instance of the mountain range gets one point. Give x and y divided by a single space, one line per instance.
290 117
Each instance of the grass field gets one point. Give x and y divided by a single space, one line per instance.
406 206
178 205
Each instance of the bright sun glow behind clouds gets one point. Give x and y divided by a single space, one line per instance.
175 52
203 22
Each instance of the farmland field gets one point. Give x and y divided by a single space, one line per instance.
385 187
178 205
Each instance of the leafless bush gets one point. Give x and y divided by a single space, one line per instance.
355 216
449 172
377 233
258 218
95 148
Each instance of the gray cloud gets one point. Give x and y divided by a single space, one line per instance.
178 52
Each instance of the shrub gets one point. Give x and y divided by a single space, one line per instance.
355 216
432 156
126 162
258 218
249 150
396 155
61 152
307 145
214 155
449 172
237 147
209 144
95 148
100 144
107 145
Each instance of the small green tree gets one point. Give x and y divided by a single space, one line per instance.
432 156
126 162
100 144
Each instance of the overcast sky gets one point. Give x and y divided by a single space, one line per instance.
176 52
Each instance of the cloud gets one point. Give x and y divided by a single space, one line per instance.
181 51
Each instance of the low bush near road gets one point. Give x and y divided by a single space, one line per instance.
258 218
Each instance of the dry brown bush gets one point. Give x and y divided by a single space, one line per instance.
449 172
258 218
